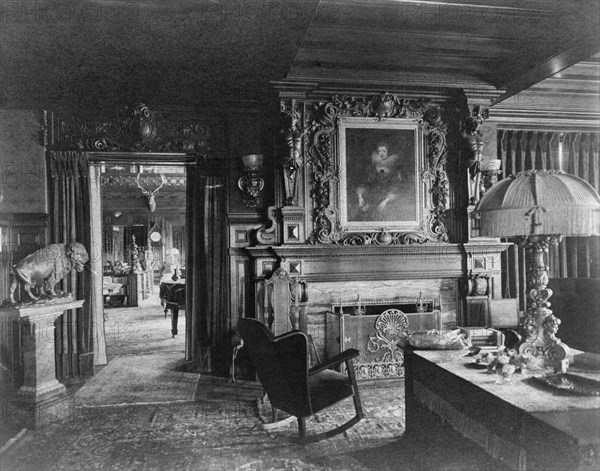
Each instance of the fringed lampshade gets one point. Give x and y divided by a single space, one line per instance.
539 202
537 208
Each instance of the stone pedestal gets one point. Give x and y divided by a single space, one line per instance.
41 397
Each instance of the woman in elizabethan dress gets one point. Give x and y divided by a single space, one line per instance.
378 196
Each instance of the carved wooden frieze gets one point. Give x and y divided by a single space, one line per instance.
139 129
323 152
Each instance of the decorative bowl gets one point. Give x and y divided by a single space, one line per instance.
569 384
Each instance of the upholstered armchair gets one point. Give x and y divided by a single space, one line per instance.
283 368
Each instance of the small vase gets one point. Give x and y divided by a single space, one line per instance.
175 276
480 286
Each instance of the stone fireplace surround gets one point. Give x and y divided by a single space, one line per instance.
376 273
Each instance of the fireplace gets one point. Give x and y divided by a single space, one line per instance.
381 275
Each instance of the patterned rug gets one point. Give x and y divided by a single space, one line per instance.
145 411
147 378
143 329
224 436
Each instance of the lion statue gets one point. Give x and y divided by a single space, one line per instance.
44 268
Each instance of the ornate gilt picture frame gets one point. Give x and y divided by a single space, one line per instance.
378 171
380 163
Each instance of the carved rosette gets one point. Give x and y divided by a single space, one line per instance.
135 130
320 136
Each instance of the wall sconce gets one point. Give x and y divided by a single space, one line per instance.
251 182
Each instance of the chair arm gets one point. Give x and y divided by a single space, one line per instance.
346 356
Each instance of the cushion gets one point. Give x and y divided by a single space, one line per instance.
328 387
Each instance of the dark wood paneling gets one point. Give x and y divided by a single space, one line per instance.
22 234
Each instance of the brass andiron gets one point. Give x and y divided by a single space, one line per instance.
420 303
359 309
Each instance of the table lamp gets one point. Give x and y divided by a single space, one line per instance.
537 208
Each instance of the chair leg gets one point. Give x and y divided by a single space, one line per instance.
341 428
302 427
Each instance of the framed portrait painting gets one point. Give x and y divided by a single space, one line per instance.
378 171
380 163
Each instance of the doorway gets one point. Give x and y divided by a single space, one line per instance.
143 248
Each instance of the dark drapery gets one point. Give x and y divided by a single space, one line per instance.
69 209
206 269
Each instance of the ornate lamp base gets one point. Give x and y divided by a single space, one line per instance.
541 325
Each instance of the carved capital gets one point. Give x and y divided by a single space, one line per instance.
474 120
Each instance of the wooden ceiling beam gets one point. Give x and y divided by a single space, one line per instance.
579 52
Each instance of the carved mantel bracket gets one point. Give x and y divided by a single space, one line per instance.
482 172
293 133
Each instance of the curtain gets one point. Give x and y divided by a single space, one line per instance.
69 221
206 264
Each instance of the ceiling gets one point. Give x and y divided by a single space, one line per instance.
103 53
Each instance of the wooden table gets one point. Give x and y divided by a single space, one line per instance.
526 426
172 297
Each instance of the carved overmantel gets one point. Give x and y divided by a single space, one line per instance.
311 232
316 196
